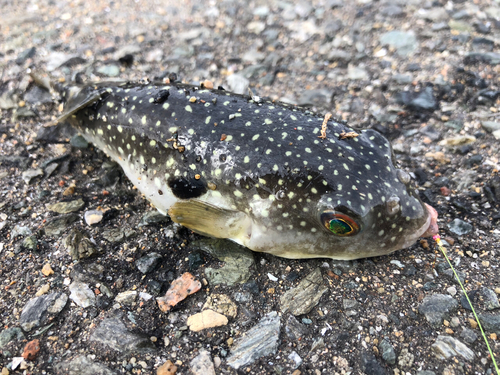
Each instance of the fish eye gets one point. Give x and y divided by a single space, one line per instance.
339 224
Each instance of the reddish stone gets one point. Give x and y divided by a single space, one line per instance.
31 350
168 368
444 191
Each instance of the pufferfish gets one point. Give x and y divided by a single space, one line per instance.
269 176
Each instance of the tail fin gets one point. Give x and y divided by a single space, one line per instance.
72 96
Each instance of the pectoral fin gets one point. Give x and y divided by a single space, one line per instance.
210 220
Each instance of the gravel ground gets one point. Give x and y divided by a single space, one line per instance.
423 73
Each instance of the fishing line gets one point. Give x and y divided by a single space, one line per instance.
437 238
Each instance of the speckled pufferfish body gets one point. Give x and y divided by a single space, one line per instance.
255 172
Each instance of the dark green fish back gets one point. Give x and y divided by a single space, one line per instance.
265 160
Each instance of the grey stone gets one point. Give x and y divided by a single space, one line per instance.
492 58
318 98
81 294
490 322
20 231
468 335
79 245
405 358
317 344
56 59
38 95
405 43
305 296
446 347
20 161
113 235
387 350
460 227
297 361
202 364
82 365
392 10
451 275
238 84
153 217
110 70
36 311
426 372
31 174
126 298
357 73
303 9
402 79
369 364
437 307
113 333
435 14
30 243
262 11
259 341
78 141
490 126
59 224
339 55
490 299
10 334
460 26
8 100
148 262
238 261
67 207
295 329
49 169
349 304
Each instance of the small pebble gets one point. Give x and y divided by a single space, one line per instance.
47 270
93 217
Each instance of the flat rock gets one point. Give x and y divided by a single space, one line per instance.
238 261
305 296
66 207
222 304
259 341
446 347
404 42
37 311
79 245
206 319
148 262
126 298
114 334
437 307
490 299
81 294
59 224
387 351
10 334
82 365
31 174
490 322
202 364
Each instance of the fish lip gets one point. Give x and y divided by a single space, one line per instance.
432 228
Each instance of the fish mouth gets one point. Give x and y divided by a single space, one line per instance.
433 228
429 229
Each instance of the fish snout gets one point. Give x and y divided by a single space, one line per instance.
433 228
